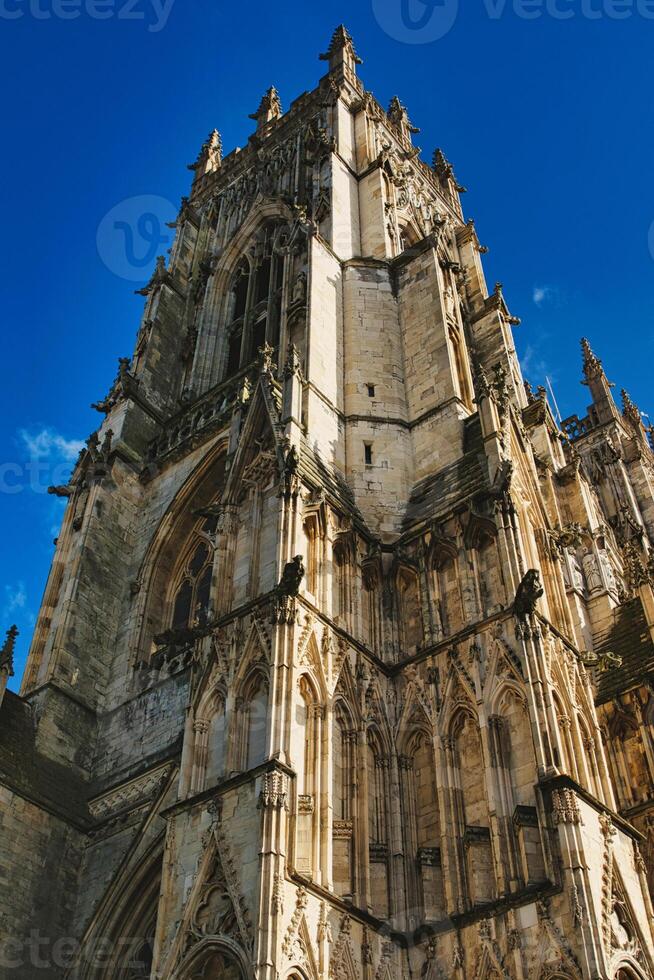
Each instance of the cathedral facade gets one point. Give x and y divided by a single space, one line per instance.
344 664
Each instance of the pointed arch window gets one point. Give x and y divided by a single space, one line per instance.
309 720
421 825
255 300
409 236
377 773
344 802
462 371
472 810
249 749
191 593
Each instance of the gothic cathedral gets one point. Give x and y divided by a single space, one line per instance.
344 668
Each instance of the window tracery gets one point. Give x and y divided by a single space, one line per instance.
255 295
191 591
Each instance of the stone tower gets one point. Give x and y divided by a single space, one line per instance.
343 668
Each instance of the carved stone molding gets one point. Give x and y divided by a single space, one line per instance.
565 807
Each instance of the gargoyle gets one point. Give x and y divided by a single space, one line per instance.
292 578
603 662
529 592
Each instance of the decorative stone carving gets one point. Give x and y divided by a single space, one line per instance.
274 791
565 807
131 794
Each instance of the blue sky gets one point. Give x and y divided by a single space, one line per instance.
543 107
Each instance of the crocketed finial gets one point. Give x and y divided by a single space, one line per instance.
7 652
269 109
630 411
399 116
341 39
592 364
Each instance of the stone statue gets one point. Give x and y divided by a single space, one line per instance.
609 574
577 574
592 573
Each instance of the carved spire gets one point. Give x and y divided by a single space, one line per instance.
7 653
595 379
442 166
399 117
269 110
592 364
340 52
210 157
445 172
631 412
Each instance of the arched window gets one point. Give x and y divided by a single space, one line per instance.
341 579
251 723
449 591
377 770
169 589
191 591
512 742
566 763
462 372
489 576
410 614
408 236
588 759
208 761
473 809
238 302
255 300
370 607
215 765
308 747
344 806
421 822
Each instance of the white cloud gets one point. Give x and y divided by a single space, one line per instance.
541 293
48 444
15 598
548 296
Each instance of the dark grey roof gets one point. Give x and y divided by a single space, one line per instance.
32 775
628 637
436 495
320 474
